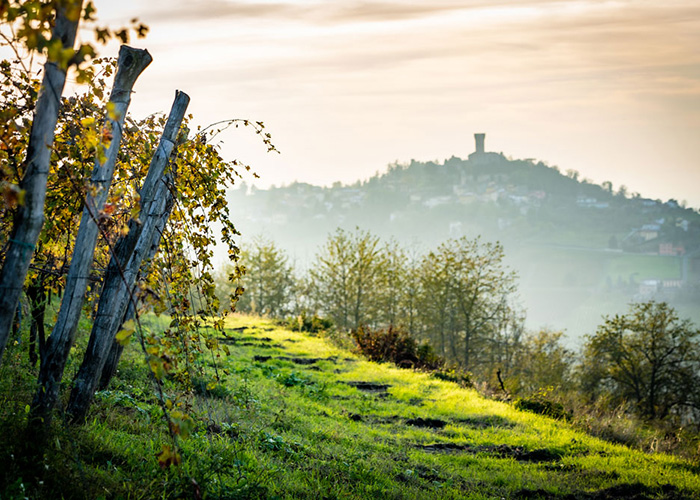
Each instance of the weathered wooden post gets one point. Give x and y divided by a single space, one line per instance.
115 351
30 216
117 290
130 65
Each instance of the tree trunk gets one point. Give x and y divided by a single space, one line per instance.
130 65
118 287
30 216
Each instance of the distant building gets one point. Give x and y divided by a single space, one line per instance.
648 288
479 138
672 284
480 156
649 231
437 200
670 249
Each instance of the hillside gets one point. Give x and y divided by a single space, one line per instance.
297 417
581 249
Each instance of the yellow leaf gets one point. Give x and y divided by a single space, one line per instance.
112 111
124 337
157 367
168 457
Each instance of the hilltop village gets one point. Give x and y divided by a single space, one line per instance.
561 232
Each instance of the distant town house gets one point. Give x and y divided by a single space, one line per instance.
671 250
649 231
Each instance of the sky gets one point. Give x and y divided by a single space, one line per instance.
608 88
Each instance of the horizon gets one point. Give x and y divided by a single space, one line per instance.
379 173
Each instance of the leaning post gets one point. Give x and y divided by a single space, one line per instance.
130 65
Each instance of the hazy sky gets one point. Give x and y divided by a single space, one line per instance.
609 88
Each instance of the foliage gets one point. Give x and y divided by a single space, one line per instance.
542 405
396 345
457 297
268 282
648 357
540 362
179 279
26 30
308 323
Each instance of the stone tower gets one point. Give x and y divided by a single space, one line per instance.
479 138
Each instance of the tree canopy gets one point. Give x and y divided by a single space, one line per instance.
648 357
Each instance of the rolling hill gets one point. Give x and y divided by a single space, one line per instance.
581 250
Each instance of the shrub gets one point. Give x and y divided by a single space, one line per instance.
311 324
543 406
395 345
456 375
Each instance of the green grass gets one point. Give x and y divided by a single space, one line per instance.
577 267
291 422
644 267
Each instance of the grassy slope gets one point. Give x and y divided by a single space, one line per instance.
288 425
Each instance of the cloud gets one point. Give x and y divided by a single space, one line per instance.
321 12
550 77
588 50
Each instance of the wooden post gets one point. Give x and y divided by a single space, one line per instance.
115 352
130 65
123 268
30 216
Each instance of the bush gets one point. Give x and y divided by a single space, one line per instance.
395 345
310 324
543 406
456 375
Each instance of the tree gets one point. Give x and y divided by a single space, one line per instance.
648 357
436 299
466 295
395 294
346 277
268 281
541 362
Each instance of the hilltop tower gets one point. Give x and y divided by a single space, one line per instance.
480 156
479 138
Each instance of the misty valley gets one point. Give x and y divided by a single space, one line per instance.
580 250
